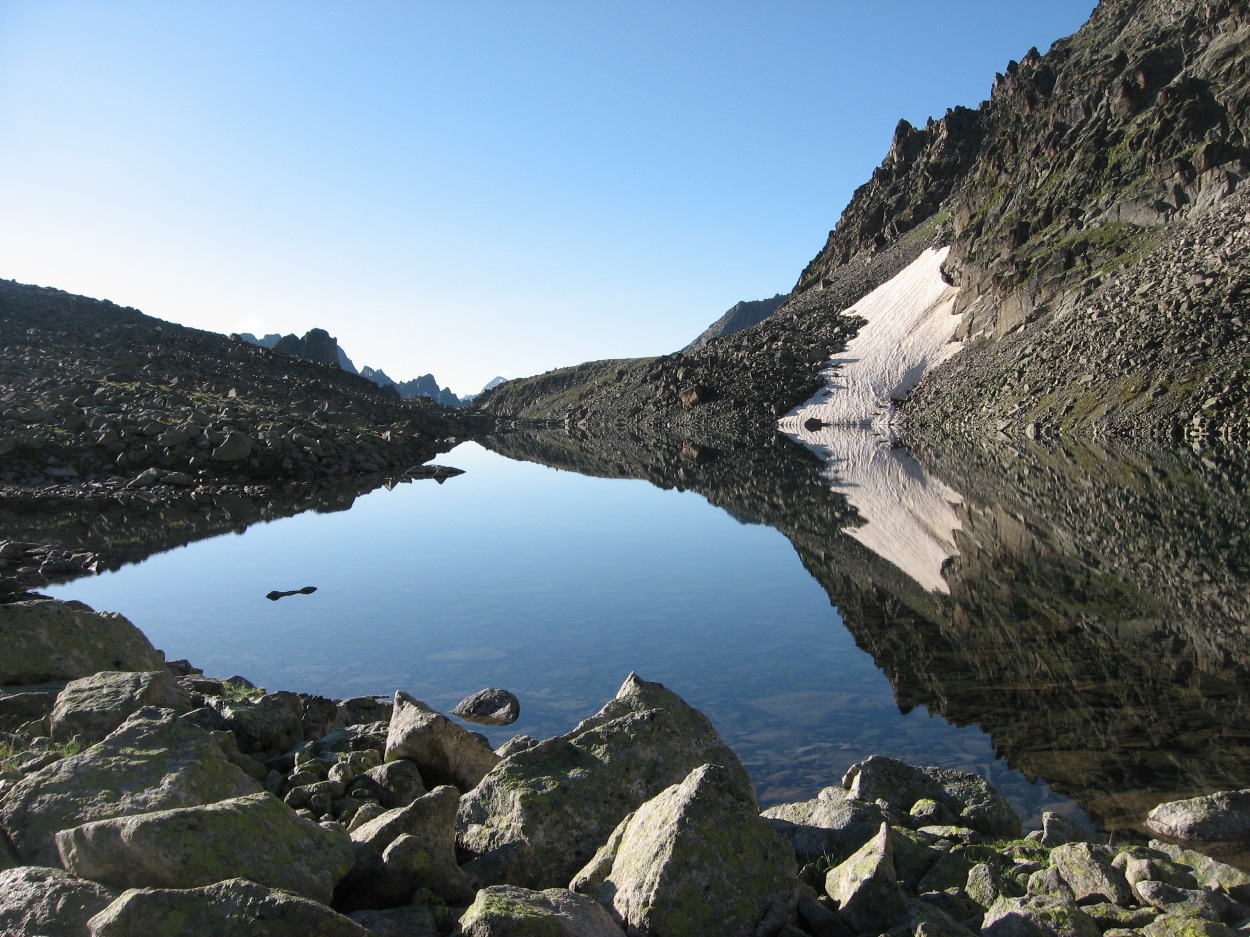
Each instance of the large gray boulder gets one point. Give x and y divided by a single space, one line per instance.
233 908
153 761
508 911
256 837
969 796
403 850
1224 815
92 707
830 826
443 752
866 887
39 900
695 860
539 816
46 640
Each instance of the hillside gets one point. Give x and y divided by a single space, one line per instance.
1097 237
96 397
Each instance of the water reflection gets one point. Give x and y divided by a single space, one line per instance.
1085 607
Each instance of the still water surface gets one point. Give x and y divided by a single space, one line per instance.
555 586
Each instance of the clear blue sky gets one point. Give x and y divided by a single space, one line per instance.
468 188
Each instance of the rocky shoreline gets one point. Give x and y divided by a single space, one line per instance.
141 796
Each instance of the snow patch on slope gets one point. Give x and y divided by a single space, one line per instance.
910 516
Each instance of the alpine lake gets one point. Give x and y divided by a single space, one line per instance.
1071 623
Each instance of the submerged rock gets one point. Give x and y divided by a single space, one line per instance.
695 860
233 908
255 837
539 816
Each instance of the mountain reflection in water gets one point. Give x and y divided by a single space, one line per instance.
1091 612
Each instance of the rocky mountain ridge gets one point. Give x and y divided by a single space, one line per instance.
318 345
1091 207
97 398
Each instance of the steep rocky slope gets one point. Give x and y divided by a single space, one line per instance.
740 316
1096 236
95 397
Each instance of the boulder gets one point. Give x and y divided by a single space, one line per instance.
1209 873
274 722
234 448
539 815
39 900
233 908
831 826
442 751
153 761
508 911
1176 925
1058 829
427 858
1037 916
1185 902
1224 815
866 887
489 707
255 837
92 707
969 796
695 860
1089 873
394 784
46 640
22 704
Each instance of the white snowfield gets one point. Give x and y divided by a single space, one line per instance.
909 329
911 517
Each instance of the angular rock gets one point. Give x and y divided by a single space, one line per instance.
255 837
1210 873
1058 829
234 448
926 920
1088 871
1037 916
695 859
969 796
233 908
92 707
395 784
46 640
540 814
489 707
39 900
153 761
866 887
442 751
429 860
274 722
509 911
1224 815
830 826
